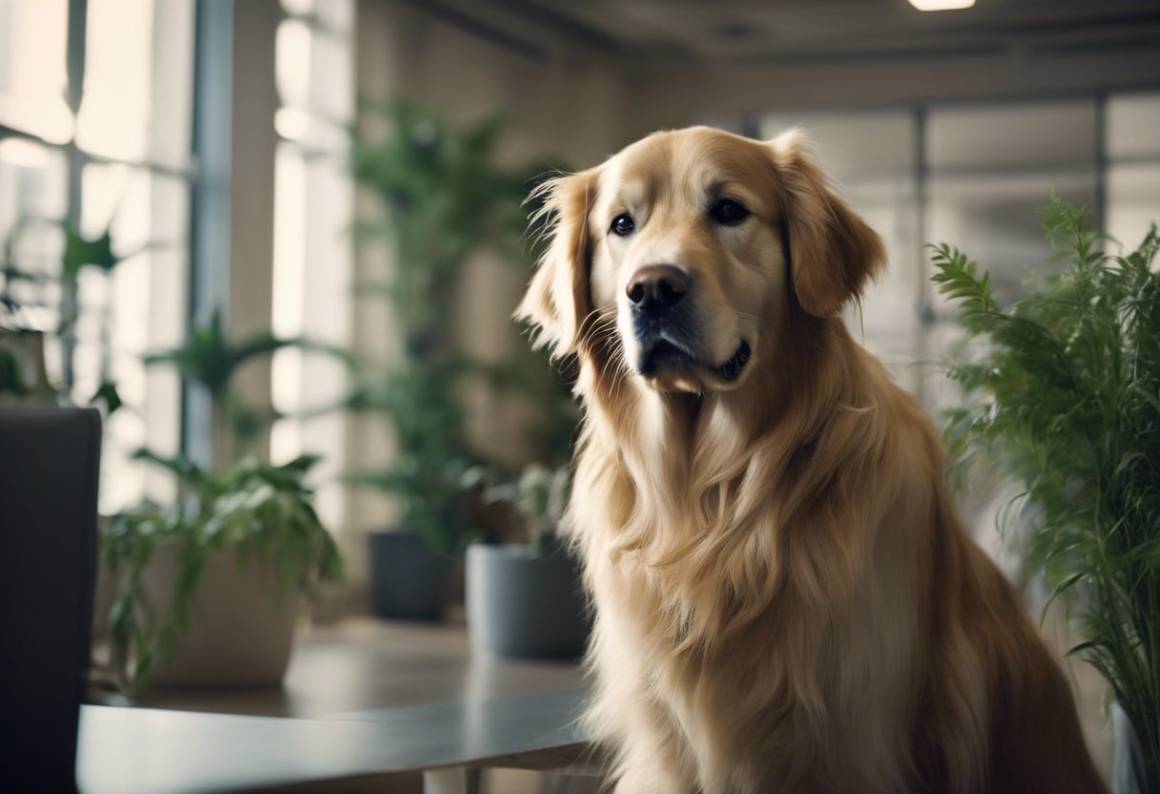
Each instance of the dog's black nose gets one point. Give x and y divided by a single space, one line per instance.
655 288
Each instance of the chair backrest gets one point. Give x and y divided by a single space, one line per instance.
48 547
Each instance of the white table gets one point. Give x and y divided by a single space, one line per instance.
153 751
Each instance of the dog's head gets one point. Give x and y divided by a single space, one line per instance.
696 247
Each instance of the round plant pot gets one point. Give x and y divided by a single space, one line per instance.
242 623
409 581
523 605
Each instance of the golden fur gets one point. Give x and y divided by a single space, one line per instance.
785 600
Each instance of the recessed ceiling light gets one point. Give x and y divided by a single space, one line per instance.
941 5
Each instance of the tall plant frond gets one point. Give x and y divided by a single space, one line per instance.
957 278
209 357
442 195
1063 396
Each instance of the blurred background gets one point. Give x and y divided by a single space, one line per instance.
279 228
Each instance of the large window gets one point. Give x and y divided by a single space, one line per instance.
314 201
95 103
1133 156
871 155
977 175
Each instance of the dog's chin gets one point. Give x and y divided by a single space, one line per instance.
668 368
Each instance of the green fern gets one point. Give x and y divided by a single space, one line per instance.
957 278
1062 394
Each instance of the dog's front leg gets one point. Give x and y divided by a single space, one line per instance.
653 757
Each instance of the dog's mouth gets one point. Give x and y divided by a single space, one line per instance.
664 357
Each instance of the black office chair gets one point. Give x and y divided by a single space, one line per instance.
48 546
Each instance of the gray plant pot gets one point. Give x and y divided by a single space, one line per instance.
523 605
409 581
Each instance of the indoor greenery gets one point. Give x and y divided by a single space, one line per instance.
28 290
210 358
1063 393
539 496
441 198
261 512
257 510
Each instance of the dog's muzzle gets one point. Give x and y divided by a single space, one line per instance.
665 328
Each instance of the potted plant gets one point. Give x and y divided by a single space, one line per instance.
440 199
175 605
526 599
1063 393
209 589
412 563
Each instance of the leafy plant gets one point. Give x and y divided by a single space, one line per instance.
261 512
79 252
1064 396
208 357
539 496
441 198
430 455
258 511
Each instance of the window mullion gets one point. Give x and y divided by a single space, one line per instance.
77 32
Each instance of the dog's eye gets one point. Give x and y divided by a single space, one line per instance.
623 225
728 212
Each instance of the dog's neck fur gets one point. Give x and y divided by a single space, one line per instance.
708 438
723 479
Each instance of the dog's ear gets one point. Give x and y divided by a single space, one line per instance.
558 300
832 251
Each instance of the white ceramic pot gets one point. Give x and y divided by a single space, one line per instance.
242 625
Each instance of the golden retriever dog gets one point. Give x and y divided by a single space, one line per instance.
785 599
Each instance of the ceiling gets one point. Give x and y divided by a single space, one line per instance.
803 31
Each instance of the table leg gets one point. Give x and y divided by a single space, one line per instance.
453 780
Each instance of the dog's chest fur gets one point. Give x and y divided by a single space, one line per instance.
711 612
